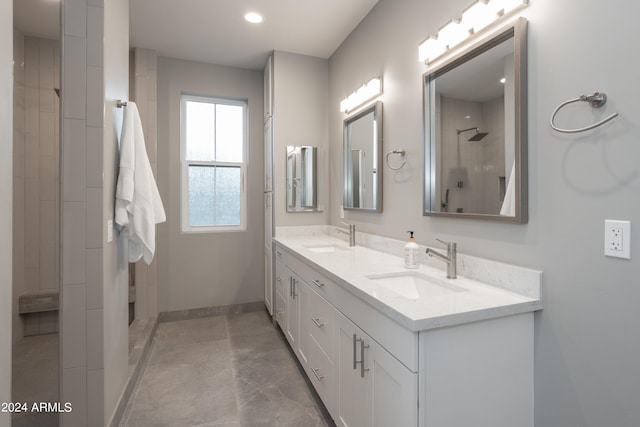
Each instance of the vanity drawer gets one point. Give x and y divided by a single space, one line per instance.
321 318
320 371
317 281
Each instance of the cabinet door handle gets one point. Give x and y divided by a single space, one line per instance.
355 363
294 281
291 286
317 322
361 361
362 368
315 372
278 253
318 283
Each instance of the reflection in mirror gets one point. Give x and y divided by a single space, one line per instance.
362 160
475 131
36 207
301 177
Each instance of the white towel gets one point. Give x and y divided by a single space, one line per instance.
509 202
138 204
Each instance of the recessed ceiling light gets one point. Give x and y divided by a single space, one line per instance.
503 80
253 17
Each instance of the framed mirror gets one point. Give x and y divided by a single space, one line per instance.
363 160
301 179
475 122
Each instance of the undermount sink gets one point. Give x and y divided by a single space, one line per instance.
328 248
413 285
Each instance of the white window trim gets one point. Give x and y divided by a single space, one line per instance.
185 228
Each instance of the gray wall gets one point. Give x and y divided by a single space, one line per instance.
6 171
587 346
300 96
208 269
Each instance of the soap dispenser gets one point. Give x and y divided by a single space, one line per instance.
411 253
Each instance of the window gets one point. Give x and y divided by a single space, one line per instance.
213 154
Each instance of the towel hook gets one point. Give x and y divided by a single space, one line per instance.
401 153
120 103
596 100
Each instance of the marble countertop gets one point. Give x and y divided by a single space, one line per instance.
349 267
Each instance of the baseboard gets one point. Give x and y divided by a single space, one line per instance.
196 313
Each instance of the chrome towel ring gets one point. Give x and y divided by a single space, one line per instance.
597 100
401 153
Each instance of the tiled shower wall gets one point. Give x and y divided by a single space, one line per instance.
459 153
143 91
36 177
82 354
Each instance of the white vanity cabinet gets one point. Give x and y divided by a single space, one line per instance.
378 391
292 330
317 324
373 388
292 302
373 369
307 319
281 285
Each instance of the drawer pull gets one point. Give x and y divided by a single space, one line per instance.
315 372
317 322
318 283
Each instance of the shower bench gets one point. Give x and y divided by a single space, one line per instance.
39 309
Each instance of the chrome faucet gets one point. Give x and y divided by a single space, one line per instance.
351 233
449 259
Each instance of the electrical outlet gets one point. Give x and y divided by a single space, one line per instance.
617 239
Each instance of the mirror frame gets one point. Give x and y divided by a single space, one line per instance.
376 108
292 172
518 32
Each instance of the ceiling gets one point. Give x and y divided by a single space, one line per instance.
215 31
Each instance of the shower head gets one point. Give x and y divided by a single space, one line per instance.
478 136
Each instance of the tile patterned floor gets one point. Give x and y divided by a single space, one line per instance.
233 370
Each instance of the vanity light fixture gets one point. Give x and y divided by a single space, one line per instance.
479 16
366 92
